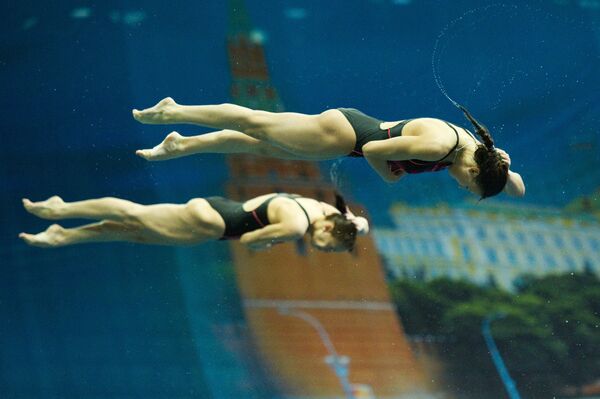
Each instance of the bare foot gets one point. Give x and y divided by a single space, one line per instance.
161 113
170 148
49 209
52 237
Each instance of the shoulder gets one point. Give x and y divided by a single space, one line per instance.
290 209
439 134
425 125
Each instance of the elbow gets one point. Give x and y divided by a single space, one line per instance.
393 176
515 184
389 180
368 150
518 191
244 239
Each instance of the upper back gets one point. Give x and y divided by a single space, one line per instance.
289 208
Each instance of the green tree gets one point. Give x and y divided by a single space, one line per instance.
571 311
549 335
418 307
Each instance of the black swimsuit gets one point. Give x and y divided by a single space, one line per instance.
367 129
238 221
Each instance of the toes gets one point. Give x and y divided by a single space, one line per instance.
135 113
28 205
28 238
146 154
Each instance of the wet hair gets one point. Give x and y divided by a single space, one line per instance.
493 170
344 230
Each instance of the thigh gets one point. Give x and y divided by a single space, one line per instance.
241 142
173 224
323 136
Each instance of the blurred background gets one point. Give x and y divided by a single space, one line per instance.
447 298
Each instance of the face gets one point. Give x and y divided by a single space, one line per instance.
321 237
465 177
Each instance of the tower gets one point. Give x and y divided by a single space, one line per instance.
343 296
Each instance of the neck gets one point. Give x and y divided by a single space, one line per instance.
464 155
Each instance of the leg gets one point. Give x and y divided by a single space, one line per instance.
221 142
106 230
323 136
166 224
103 208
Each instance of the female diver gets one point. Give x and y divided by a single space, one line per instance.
258 223
393 149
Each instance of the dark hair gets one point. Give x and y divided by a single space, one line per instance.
344 230
493 170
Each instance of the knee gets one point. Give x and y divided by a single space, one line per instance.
133 215
256 123
119 228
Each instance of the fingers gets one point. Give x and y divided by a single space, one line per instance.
504 155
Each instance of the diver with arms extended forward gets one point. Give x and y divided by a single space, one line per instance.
393 149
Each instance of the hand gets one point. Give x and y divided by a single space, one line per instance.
362 225
504 155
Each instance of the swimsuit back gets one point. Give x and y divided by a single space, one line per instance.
239 221
367 129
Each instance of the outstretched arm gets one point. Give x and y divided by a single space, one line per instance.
272 234
514 185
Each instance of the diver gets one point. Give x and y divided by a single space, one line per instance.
258 223
393 149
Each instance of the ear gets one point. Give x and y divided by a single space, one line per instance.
473 171
328 226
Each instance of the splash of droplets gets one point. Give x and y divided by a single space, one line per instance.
505 84
435 56
335 174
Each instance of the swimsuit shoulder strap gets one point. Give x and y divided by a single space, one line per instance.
396 130
261 211
455 145
470 134
295 198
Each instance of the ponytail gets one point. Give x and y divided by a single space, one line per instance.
493 170
344 230
340 203
480 129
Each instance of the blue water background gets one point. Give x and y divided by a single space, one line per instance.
121 320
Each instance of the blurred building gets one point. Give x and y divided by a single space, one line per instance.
489 243
322 324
